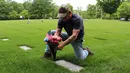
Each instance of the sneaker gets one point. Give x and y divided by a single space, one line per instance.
89 51
47 55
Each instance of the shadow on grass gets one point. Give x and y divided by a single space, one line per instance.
4 38
99 38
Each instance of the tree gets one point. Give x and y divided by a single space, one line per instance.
41 8
54 12
70 6
27 5
3 10
99 11
8 9
124 10
25 14
84 14
13 14
16 6
79 9
109 6
91 11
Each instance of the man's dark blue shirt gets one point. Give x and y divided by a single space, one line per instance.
76 22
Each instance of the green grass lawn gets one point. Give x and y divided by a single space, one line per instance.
108 39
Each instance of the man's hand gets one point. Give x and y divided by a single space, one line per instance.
60 46
55 37
58 38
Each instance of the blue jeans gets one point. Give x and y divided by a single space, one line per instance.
76 44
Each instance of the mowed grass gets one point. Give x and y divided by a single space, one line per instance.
108 39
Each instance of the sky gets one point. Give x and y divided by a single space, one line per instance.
75 3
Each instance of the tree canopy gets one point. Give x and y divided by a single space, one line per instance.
39 9
109 6
10 9
124 10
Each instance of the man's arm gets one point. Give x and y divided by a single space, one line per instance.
70 39
59 28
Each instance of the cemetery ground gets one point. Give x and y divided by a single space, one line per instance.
108 39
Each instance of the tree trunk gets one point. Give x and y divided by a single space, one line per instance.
101 14
110 16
